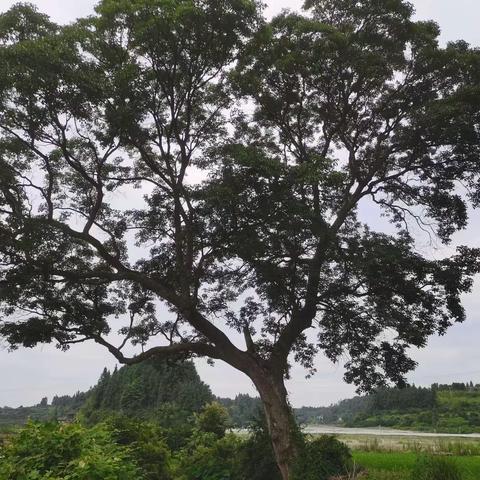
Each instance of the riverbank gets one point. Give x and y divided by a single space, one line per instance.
381 431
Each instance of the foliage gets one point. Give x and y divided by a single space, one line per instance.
167 392
457 386
48 451
125 449
445 409
213 418
399 466
149 106
147 390
242 409
321 459
18 416
256 455
455 411
177 425
113 450
208 457
235 222
436 468
406 398
341 411
318 459
74 401
146 442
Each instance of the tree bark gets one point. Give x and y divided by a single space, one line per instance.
280 420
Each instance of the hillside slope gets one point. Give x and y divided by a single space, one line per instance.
140 390
451 408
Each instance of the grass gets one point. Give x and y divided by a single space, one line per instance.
414 444
393 457
383 465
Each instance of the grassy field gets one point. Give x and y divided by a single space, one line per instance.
413 444
398 465
393 458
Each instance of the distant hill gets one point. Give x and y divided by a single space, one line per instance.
139 390
143 389
150 389
451 408
63 408
174 390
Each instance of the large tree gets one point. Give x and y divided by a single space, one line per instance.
189 169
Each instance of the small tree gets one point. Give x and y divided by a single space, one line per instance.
136 184
213 418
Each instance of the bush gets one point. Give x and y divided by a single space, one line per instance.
319 459
146 443
256 455
213 418
47 451
322 458
177 425
208 457
431 467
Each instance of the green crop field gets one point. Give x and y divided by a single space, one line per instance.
398 465
413 443
393 458
387 457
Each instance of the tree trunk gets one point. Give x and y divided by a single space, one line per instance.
280 420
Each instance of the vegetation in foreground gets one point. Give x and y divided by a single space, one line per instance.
122 448
428 445
412 466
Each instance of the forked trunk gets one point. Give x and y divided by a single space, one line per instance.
280 421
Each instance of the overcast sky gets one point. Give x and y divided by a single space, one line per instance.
28 375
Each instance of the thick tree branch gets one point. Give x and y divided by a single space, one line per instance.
197 348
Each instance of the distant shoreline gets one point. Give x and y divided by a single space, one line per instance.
381 431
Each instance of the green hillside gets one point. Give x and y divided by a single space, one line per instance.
171 392
145 390
18 416
451 408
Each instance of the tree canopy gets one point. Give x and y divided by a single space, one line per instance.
191 170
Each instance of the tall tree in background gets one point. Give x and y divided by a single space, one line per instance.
137 185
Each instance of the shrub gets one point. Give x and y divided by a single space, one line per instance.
322 458
177 425
213 418
256 454
319 459
208 457
431 467
146 443
47 451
